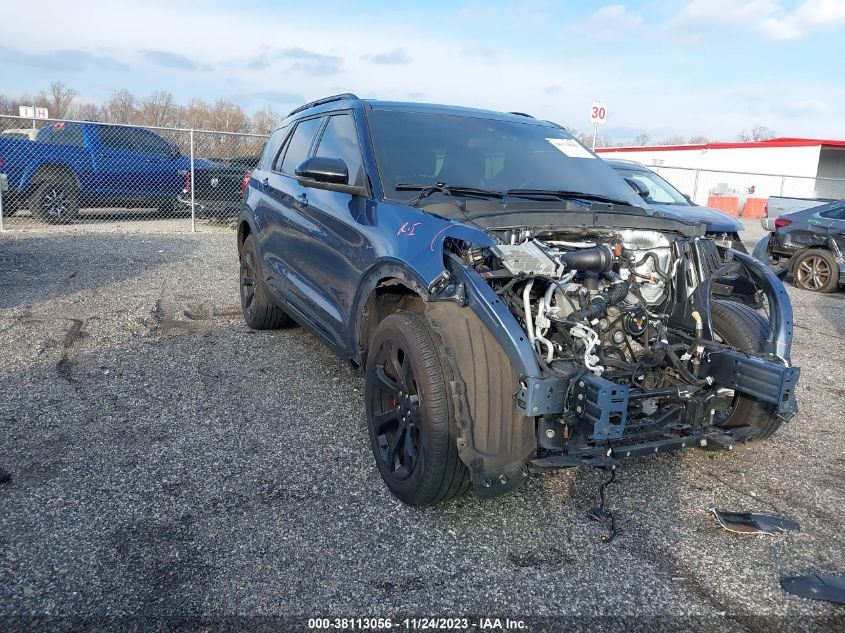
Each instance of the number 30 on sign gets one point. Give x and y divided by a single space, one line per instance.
598 112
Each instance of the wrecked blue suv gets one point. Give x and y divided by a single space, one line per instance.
514 306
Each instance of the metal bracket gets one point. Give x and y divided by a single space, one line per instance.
603 404
763 379
539 396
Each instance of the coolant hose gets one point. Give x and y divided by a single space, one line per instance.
599 304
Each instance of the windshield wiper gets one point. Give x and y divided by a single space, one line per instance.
563 195
448 190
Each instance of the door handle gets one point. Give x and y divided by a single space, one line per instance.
302 199
265 184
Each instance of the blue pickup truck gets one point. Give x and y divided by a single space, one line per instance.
89 165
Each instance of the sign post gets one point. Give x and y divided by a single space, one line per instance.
598 114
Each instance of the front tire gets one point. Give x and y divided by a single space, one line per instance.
56 201
412 431
741 327
259 312
816 270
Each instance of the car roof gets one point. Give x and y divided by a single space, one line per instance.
347 101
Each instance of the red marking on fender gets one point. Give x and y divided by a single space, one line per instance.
431 246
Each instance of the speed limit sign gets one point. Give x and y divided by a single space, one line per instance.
598 112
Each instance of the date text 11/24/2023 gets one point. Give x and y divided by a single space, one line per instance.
416 624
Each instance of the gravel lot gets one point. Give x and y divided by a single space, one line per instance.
168 461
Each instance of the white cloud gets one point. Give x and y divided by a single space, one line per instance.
609 22
711 20
808 17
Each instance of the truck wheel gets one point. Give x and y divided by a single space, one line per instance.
412 431
56 201
816 270
259 312
741 327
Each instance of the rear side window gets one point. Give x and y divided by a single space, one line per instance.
117 138
835 213
340 140
62 133
300 143
149 143
271 148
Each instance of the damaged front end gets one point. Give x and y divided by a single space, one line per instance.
610 340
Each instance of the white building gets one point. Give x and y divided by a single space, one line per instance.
799 167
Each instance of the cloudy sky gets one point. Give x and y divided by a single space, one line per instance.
665 67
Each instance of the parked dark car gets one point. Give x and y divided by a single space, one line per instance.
75 165
217 188
514 305
809 245
660 195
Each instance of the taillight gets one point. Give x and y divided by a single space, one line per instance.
1 161
782 222
188 181
245 182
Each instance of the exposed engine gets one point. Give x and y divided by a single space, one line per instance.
596 309
597 301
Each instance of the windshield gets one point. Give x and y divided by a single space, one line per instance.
464 151
659 191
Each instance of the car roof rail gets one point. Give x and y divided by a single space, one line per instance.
521 114
311 104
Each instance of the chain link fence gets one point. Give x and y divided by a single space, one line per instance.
77 172
746 193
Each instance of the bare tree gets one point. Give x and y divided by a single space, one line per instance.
121 107
59 99
158 110
762 133
85 112
673 140
698 140
265 120
642 139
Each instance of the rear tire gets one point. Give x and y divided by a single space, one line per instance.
259 312
412 430
816 270
741 327
56 200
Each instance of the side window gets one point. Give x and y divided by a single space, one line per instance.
836 213
115 137
149 143
271 148
300 143
340 140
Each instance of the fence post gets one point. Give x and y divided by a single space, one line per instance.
782 183
695 186
193 186
1 207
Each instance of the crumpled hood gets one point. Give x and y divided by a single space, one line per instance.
717 221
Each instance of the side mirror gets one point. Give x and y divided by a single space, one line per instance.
688 198
323 170
640 188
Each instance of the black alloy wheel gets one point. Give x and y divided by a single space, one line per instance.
413 433
260 313
248 277
397 417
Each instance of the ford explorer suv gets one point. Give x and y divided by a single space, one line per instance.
513 304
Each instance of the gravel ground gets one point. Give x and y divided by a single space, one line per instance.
167 461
